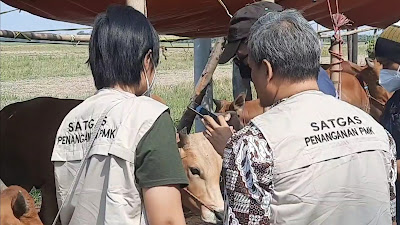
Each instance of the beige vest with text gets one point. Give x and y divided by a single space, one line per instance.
330 162
124 126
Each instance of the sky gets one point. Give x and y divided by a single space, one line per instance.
24 21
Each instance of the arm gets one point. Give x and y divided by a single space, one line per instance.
253 174
159 173
163 205
392 175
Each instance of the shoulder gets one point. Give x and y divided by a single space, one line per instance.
392 145
250 135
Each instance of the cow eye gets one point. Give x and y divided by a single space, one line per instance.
195 171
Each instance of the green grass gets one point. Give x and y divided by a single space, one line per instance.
19 62
177 97
41 63
30 62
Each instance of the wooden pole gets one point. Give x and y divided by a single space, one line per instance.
139 5
201 86
336 68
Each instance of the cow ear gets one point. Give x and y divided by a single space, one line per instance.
218 105
370 62
239 101
2 186
20 206
182 137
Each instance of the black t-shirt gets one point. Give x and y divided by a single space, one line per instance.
158 161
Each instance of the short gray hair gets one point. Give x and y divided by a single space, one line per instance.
288 42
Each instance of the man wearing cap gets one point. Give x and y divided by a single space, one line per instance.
239 29
387 52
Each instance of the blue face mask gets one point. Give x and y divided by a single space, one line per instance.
390 79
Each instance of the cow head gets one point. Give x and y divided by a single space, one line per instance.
371 73
222 106
203 166
17 207
245 110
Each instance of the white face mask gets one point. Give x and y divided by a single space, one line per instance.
390 79
149 86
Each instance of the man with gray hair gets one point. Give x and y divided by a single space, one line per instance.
311 158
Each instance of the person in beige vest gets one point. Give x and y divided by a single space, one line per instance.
311 158
132 173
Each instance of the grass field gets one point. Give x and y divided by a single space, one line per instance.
28 71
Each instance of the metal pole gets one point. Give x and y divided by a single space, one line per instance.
349 48
240 85
202 48
354 57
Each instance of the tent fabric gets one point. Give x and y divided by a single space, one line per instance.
207 18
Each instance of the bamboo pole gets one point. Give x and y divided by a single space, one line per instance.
44 36
68 37
201 86
351 32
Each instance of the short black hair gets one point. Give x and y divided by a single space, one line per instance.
121 38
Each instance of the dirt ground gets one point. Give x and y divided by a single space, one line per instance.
192 219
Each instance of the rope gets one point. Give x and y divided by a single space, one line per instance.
1 13
226 9
338 21
17 34
199 200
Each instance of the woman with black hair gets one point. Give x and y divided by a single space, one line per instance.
119 145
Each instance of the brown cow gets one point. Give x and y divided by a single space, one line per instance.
378 96
347 67
17 207
28 131
246 110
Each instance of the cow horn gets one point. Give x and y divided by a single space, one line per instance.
183 137
218 105
20 206
239 102
370 62
2 186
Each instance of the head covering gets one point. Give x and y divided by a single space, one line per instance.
240 24
388 44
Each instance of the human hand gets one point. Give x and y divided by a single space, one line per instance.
218 134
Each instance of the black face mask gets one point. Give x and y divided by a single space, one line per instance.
245 70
